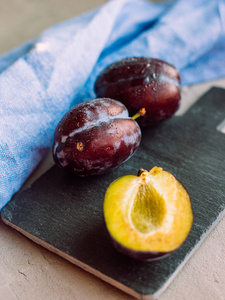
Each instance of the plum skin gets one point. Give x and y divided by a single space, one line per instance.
146 256
142 82
94 137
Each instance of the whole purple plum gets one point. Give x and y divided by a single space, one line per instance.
142 82
95 137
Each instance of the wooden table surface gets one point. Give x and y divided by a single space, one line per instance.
28 271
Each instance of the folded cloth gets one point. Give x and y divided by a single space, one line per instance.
42 79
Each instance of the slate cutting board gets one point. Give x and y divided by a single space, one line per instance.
64 214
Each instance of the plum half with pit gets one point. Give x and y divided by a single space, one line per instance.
147 216
142 82
94 137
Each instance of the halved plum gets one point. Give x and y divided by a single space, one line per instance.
147 216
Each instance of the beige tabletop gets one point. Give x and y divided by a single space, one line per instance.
28 271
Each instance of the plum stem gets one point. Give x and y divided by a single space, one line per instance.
140 171
140 113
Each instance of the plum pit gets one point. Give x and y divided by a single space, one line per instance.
148 210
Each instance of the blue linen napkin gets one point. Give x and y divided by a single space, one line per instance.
43 78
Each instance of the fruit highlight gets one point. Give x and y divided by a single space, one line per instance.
147 216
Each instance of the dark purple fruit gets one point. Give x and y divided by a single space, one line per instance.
142 82
94 137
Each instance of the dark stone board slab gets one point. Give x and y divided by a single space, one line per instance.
65 213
